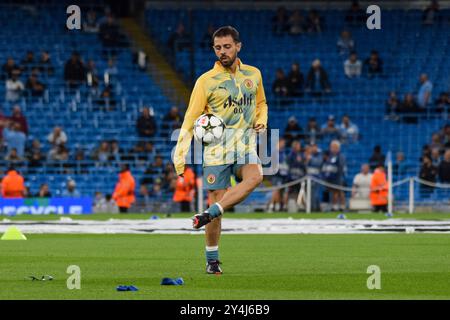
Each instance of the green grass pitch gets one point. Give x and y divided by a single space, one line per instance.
413 266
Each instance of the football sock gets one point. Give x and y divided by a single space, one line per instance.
215 210
212 253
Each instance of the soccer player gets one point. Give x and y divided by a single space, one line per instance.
234 92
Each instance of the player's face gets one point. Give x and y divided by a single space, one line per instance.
226 50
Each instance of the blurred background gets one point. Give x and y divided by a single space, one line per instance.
75 104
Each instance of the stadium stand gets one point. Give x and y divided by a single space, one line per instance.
407 50
88 120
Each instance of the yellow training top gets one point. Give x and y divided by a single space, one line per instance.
238 99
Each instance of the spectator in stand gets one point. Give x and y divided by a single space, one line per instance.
445 136
293 131
71 191
169 178
27 62
14 87
74 71
44 191
345 43
112 71
409 109
172 120
4 122
102 154
443 103
280 22
115 153
144 198
313 21
313 163
207 42
35 87
45 64
392 106
377 158
149 152
59 153
428 172
19 118
444 168
430 14
278 199
296 23
426 152
34 155
353 66
280 86
295 80
313 131
13 157
329 130
436 142
400 168
90 24
424 93
179 40
334 170
81 166
8 68
361 183
349 130
435 157
109 33
317 79
373 64
355 15
107 98
155 169
14 138
57 137
156 191
91 69
297 168
146 124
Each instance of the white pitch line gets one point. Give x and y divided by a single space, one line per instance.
229 226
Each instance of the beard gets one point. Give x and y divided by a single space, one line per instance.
228 62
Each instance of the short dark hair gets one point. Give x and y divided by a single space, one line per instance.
226 31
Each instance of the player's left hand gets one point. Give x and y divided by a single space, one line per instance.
259 127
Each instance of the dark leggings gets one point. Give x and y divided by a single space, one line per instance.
123 209
185 206
382 208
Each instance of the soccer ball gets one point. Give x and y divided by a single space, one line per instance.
209 128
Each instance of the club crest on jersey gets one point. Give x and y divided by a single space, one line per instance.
211 178
248 83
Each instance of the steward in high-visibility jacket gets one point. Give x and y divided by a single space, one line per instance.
185 189
124 192
13 185
379 190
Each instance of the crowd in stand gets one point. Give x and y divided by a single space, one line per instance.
435 160
346 132
298 160
299 148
